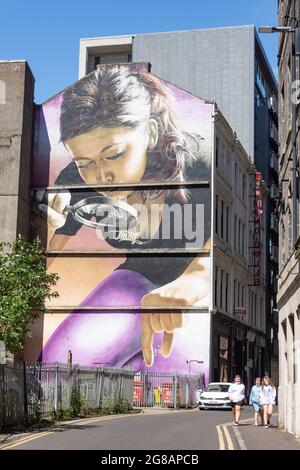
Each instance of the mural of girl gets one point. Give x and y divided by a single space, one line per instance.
120 128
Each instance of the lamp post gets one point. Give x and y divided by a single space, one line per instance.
196 361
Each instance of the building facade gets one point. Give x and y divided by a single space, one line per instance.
239 288
289 228
225 315
227 65
220 321
16 121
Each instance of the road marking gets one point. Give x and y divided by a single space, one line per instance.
220 437
228 438
24 440
79 422
239 438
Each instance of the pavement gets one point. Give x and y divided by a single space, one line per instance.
156 429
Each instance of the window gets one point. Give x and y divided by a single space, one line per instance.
243 292
283 326
243 241
226 291
222 219
112 59
235 229
217 151
221 288
216 285
239 237
227 224
236 178
244 188
223 365
234 295
217 214
294 351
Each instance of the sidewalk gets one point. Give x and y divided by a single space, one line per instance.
260 438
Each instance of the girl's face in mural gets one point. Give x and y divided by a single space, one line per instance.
113 155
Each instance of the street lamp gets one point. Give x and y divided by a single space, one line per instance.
276 29
190 362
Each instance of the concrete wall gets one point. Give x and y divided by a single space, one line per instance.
216 64
16 112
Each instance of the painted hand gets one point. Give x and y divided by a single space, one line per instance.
50 207
191 288
156 323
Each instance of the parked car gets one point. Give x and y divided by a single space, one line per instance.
214 396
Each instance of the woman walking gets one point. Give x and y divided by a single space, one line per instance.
255 400
236 396
267 399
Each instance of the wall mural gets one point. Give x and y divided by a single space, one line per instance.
122 164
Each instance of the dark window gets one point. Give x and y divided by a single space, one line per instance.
227 224
222 219
216 285
217 151
226 292
217 214
221 288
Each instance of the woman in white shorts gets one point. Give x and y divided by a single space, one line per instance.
236 393
267 399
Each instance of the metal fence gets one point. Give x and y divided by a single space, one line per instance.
11 394
49 387
166 390
31 391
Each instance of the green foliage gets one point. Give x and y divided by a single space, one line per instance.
25 285
78 403
107 404
122 406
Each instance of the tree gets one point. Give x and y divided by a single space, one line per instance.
25 285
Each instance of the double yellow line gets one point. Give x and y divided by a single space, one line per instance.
24 440
225 443
79 422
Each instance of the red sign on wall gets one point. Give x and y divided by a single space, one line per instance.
257 212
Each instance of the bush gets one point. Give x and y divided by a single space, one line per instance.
107 404
122 406
78 403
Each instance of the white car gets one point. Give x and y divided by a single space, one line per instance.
215 396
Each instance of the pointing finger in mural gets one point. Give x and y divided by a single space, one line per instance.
147 339
167 344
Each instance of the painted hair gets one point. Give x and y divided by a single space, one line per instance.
112 96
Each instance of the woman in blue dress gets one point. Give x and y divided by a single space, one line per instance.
255 400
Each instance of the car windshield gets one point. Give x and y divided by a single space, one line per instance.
217 388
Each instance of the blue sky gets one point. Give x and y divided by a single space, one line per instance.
46 32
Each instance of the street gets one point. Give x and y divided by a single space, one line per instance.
159 430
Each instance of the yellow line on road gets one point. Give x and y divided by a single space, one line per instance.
24 440
228 438
220 437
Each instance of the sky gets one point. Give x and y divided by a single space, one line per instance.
47 32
